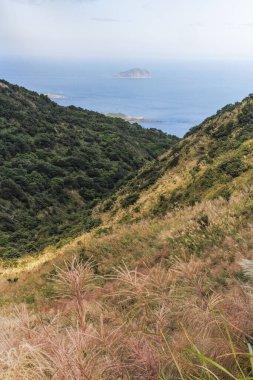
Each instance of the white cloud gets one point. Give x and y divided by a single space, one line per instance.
42 2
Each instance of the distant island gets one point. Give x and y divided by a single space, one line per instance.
131 119
135 73
55 96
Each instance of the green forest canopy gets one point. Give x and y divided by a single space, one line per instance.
57 162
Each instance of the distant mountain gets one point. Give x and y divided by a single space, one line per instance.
135 73
57 162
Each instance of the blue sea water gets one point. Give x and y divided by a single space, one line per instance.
179 95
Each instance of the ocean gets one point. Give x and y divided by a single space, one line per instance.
179 95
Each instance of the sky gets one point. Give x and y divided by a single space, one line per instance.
113 29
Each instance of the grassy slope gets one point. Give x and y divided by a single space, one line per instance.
212 160
188 292
188 295
56 163
166 191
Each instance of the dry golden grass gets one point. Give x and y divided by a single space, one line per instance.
215 231
157 294
141 325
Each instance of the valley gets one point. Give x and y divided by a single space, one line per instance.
161 287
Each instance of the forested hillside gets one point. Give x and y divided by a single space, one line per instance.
162 289
57 162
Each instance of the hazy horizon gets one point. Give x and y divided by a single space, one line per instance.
132 30
74 47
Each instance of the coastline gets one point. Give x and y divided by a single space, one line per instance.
55 96
132 119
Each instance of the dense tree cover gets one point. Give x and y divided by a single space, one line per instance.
57 162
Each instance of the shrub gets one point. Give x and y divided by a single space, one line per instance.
129 200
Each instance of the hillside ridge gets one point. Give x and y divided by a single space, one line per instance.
57 163
213 160
165 278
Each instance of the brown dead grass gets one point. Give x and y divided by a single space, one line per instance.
154 290
137 327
